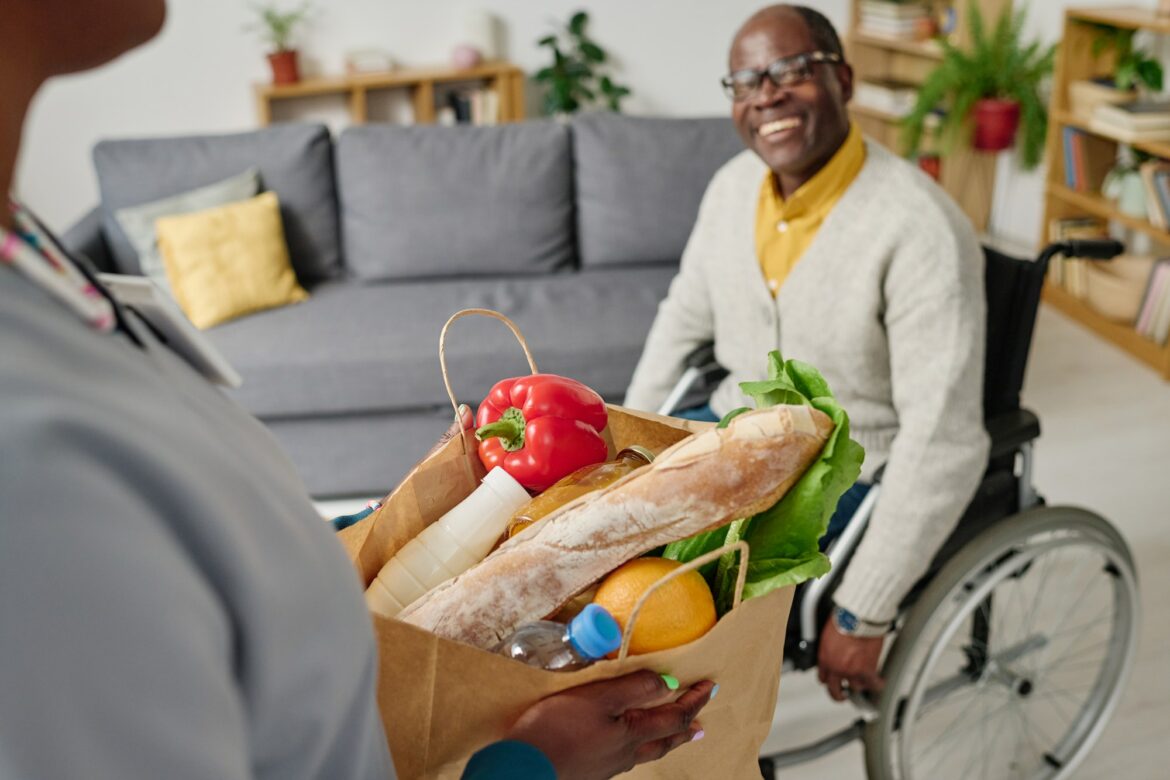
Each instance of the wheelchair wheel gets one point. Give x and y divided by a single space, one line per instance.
1014 657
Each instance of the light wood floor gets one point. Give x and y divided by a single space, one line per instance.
1105 446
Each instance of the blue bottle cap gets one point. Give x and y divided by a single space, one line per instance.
594 633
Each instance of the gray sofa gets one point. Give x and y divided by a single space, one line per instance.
573 230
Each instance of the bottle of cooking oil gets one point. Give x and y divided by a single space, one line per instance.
583 480
449 546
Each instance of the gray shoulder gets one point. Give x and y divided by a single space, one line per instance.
914 197
746 165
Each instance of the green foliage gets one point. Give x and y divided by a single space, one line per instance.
574 79
999 65
783 539
1133 65
276 27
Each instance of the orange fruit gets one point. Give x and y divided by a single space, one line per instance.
680 611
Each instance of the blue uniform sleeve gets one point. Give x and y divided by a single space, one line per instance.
507 760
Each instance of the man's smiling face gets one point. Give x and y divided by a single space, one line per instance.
796 129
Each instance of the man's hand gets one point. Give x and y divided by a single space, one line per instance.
849 661
605 728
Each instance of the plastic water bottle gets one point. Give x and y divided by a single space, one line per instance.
589 637
449 546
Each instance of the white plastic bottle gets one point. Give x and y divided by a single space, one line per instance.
448 547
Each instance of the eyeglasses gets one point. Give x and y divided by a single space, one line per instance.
784 73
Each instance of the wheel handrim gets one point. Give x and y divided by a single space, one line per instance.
1035 676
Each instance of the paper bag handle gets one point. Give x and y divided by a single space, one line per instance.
702 560
443 347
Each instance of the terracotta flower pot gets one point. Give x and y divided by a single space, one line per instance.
996 122
285 69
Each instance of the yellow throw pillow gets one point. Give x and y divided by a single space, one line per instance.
228 261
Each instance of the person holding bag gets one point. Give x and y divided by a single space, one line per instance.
171 604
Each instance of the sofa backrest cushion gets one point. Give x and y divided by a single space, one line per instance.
427 201
295 161
639 182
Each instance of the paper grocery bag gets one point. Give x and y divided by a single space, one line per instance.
441 701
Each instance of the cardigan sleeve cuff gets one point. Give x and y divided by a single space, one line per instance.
509 759
871 595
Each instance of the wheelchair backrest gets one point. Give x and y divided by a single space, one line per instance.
1013 297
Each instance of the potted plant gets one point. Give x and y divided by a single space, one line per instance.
994 83
277 28
1132 68
573 80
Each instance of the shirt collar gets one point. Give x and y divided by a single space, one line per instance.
829 182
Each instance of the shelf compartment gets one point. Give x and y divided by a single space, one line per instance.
1123 336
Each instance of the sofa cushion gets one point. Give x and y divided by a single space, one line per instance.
295 162
357 348
439 201
639 182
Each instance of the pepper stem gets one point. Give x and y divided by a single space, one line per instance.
509 429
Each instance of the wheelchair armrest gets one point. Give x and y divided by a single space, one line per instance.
1008 433
701 356
1011 430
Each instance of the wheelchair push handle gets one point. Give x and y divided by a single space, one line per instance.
1084 248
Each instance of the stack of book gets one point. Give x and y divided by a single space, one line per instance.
1132 122
1069 272
1153 319
904 21
470 107
1075 177
1156 177
890 96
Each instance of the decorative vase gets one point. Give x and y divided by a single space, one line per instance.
996 122
931 164
465 56
285 68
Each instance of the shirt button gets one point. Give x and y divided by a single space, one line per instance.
782 226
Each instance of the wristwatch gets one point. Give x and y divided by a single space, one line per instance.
850 625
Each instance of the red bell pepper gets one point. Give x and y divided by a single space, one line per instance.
541 428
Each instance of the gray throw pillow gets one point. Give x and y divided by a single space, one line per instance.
137 222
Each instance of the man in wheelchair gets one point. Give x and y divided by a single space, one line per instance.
830 248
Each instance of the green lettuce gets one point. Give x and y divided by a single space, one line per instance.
783 539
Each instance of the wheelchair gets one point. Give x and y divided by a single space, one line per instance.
1009 656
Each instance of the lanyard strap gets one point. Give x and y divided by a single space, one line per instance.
33 253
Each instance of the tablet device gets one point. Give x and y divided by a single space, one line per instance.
161 312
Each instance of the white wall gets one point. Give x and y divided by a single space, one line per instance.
196 77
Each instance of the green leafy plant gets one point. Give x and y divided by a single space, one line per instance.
277 27
999 65
1133 65
574 79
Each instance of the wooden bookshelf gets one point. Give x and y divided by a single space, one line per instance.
506 80
1075 61
968 175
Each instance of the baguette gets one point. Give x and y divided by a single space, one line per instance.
699 484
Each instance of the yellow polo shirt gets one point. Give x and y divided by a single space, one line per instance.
785 228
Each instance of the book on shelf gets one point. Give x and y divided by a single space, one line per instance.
890 96
1153 298
891 10
901 21
1133 122
471 107
1155 209
1074 159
